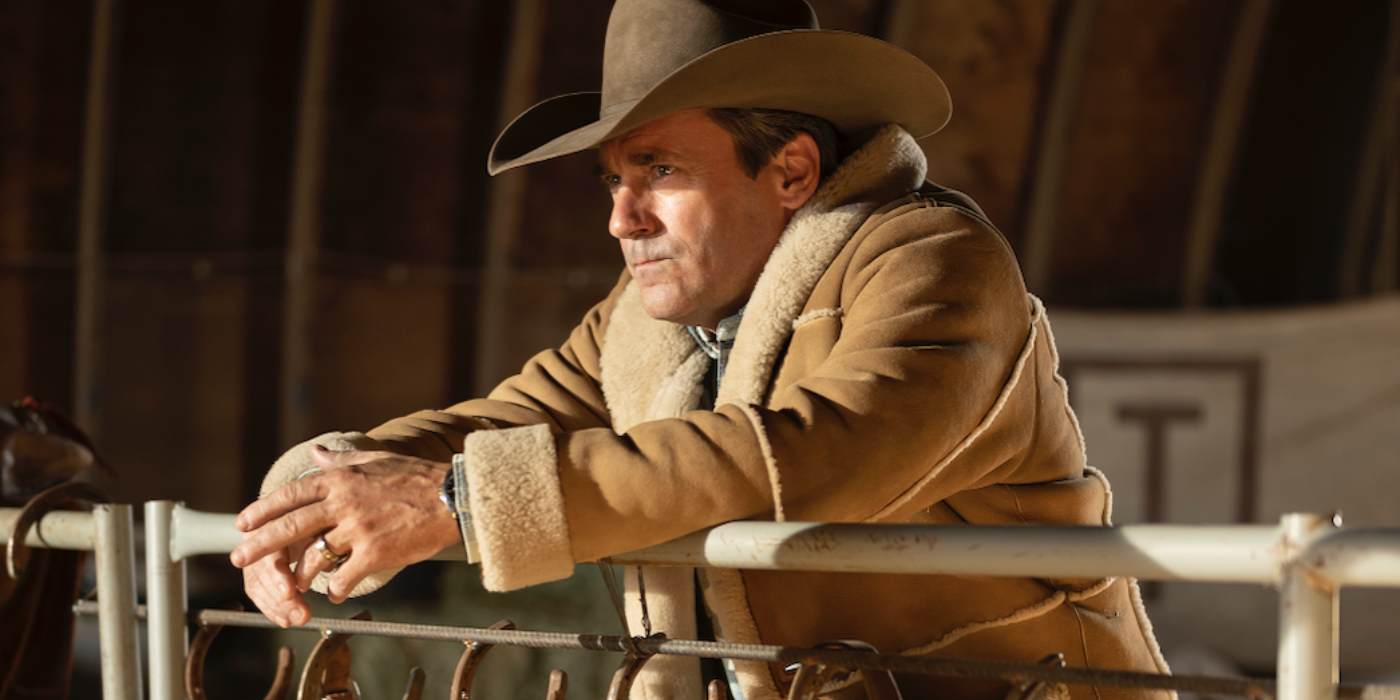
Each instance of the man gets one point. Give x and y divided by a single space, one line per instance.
806 330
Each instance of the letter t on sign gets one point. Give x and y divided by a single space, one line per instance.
1155 417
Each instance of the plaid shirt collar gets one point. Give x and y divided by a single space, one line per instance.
718 344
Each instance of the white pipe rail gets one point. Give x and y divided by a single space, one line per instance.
58 530
1308 611
1308 557
1234 554
108 532
167 635
117 629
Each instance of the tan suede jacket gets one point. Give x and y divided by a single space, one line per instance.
890 367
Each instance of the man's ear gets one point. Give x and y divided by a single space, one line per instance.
800 167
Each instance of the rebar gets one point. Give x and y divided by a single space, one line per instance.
965 668
1260 688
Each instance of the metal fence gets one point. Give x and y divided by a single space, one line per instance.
1308 558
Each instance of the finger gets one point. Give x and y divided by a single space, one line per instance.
297 548
303 572
349 575
265 574
285 613
302 524
313 562
299 612
266 581
268 584
289 497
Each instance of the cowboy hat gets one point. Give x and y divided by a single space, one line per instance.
664 56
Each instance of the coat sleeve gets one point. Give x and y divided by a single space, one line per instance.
558 389
933 323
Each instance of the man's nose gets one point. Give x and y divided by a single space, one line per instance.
631 215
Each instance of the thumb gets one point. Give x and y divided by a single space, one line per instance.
327 459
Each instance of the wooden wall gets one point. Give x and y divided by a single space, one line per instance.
1086 128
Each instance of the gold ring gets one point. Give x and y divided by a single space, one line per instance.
335 559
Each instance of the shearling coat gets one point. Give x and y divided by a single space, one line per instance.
890 367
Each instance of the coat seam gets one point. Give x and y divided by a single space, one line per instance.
1023 359
1029 612
834 312
1084 645
769 460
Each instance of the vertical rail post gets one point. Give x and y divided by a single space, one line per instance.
1222 151
1368 195
1052 152
1384 274
92 221
1307 649
116 602
167 640
506 198
901 22
304 224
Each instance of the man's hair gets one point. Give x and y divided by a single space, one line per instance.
760 133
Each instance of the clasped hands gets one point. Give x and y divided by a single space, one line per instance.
373 511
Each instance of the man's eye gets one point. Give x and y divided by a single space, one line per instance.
612 181
664 170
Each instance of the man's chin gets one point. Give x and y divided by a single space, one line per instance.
662 305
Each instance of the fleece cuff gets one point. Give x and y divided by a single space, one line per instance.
517 507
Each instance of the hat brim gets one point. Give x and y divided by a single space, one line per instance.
853 81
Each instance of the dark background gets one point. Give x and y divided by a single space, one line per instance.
408 308
1085 128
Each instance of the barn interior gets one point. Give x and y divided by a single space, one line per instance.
230 225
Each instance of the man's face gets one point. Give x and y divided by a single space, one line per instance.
695 229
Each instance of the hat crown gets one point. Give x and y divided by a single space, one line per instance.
647 40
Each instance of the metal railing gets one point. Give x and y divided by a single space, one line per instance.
1307 557
108 532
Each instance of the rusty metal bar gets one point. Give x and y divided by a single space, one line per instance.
759 652
1247 687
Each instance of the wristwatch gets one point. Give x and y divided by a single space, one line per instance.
455 496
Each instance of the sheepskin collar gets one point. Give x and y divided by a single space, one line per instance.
658 374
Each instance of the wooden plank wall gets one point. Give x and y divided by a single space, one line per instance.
42 65
200 192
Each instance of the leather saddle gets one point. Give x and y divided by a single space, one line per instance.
46 463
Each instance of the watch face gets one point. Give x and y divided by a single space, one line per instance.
448 491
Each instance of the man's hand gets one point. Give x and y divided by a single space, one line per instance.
380 509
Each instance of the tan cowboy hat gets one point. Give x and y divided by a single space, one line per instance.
664 56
